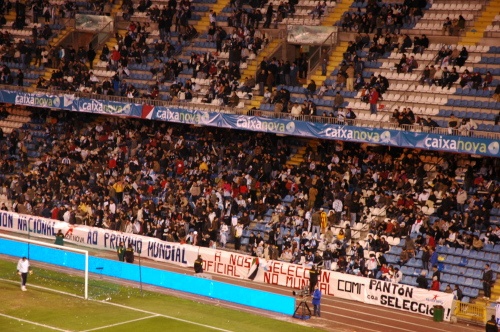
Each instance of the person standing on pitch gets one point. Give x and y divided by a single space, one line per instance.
120 251
316 301
23 269
491 325
59 238
313 278
129 254
198 265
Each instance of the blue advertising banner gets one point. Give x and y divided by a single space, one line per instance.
32 99
106 107
417 140
428 141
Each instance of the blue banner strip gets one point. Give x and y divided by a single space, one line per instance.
407 139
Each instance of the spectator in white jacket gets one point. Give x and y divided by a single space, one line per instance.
461 199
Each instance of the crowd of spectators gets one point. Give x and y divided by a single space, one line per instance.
383 17
206 186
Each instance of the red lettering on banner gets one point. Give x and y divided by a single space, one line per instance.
280 269
297 283
217 256
241 261
208 265
325 288
275 267
324 277
302 273
229 270
271 278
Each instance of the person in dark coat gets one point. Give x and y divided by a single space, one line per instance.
91 56
487 280
491 325
313 278
120 251
129 254
198 265
422 280
20 78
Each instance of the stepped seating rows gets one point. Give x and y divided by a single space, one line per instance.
493 29
422 97
302 15
456 270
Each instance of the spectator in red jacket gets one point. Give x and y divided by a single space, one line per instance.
374 97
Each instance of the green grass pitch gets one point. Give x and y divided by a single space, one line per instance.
113 308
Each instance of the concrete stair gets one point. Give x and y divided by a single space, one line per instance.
335 58
476 32
251 69
115 9
495 295
335 15
298 157
202 25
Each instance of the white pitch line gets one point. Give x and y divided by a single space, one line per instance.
32 323
126 307
386 318
165 316
121 323
392 327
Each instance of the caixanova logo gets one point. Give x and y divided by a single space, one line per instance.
358 135
37 100
182 117
269 126
451 144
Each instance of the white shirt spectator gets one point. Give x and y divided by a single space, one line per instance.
23 266
66 216
296 110
337 205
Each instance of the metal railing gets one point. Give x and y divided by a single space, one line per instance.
102 36
272 115
315 58
287 116
470 312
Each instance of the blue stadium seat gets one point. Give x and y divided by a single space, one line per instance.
476 283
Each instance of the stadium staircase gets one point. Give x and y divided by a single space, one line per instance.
298 157
333 61
495 295
334 16
476 32
202 25
252 67
336 56
115 12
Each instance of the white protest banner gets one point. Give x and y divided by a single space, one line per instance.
349 287
407 298
237 265
231 264
99 238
